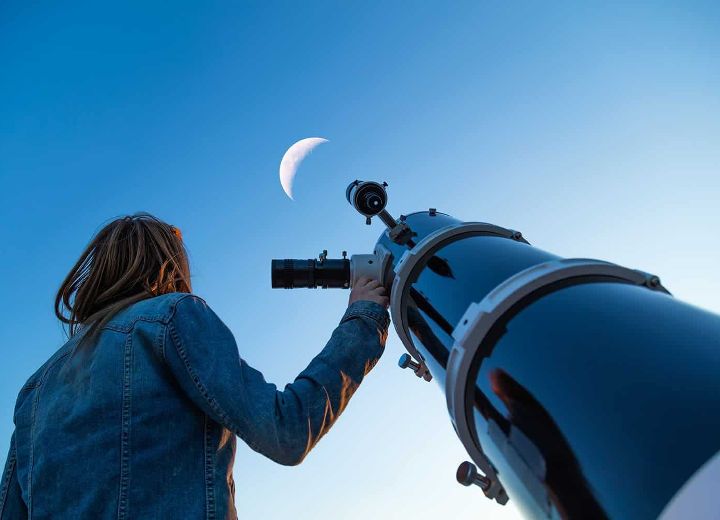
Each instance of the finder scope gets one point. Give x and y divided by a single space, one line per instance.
369 198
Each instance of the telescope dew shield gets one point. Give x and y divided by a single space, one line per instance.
294 273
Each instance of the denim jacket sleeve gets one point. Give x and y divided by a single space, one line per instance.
282 425
12 506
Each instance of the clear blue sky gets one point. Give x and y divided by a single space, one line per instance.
595 130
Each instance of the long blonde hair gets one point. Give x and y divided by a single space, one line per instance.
130 259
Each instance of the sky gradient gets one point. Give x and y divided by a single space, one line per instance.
594 130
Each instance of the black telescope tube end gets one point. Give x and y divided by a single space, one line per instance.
292 273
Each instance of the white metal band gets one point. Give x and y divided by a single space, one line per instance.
405 274
479 318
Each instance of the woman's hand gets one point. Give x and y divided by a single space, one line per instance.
366 289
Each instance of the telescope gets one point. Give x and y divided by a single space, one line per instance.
578 387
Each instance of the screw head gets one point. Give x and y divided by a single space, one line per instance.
466 473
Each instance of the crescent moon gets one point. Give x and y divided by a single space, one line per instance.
293 158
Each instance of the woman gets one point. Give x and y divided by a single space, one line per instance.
136 415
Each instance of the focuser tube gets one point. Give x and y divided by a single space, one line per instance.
340 273
292 273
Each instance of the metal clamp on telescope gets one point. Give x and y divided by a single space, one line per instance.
369 198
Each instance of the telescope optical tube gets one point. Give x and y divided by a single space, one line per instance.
580 388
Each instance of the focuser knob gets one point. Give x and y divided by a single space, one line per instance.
467 475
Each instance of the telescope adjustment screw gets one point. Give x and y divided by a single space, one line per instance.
406 361
517 235
323 256
433 212
420 369
344 254
467 475
368 221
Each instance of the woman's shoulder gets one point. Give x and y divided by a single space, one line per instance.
158 308
191 316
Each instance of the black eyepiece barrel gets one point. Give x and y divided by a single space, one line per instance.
292 273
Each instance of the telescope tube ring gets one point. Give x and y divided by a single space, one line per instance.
479 319
412 261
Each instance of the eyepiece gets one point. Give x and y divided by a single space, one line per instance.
368 197
294 273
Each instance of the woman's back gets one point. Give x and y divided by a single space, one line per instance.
107 424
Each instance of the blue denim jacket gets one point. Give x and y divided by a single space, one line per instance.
141 423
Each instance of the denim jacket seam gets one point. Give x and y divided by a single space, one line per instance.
167 322
209 464
162 334
196 380
36 380
163 318
174 306
131 325
33 410
160 317
224 417
125 432
11 463
383 322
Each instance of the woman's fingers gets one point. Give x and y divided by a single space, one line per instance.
372 284
368 289
381 295
362 281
